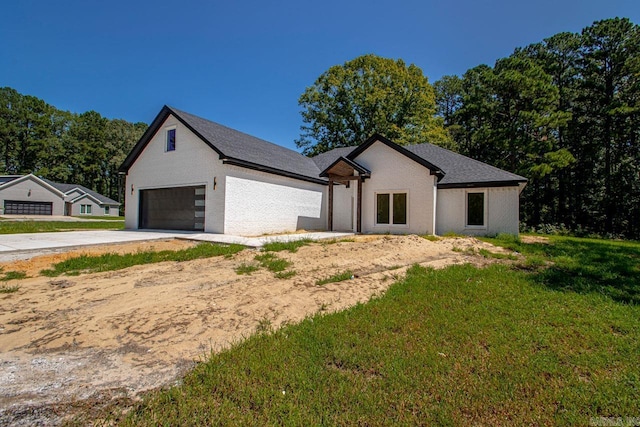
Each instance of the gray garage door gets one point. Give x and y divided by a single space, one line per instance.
15 207
178 208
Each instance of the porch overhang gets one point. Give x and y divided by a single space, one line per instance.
343 171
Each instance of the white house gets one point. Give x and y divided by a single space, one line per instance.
32 195
188 173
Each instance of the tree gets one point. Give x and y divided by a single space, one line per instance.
369 94
565 113
85 149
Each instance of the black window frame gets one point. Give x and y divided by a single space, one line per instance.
477 218
171 140
390 215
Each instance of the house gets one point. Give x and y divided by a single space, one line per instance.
188 173
32 195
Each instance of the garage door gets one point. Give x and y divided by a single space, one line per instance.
178 208
15 207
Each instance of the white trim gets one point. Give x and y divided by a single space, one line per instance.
375 209
166 138
36 180
485 202
82 196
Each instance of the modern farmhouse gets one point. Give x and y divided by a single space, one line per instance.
188 173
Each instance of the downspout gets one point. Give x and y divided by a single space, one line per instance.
435 203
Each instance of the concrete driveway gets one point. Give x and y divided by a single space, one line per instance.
23 246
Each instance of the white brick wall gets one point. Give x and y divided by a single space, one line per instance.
501 213
394 172
192 163
262 203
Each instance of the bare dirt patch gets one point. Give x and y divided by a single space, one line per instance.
94 337
535 239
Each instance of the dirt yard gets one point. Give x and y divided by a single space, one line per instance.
78 341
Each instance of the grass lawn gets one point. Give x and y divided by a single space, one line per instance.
527 344
15 227
113 261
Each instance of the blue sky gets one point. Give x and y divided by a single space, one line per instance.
245 63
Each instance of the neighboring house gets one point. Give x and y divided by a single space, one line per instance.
31 195
188 173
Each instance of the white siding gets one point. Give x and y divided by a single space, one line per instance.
192 163
394 172
501 211
30 190
261 203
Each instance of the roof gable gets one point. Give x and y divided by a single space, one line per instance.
40 181
234 147
68 189
402 150
455 170
345 165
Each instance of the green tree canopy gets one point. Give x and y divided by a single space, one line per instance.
85 149
565 113
369 94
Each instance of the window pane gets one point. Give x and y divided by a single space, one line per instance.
475 209
382 207
171 139
88 209
400 208
81 209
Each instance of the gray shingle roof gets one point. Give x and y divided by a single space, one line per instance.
234 144
235 147
459 170
68 187
325 160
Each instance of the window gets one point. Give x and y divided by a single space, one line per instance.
475 209
391 208
400 208
382 216
106 210
83 209
171 140
88 209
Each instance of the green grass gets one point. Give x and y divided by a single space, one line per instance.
246 268
14 227
285 274
112 261
458 346
488 254
587 266
13 275
430 237
285 246
272 262
340 277
6 289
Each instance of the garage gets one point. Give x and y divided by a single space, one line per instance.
176 208
16 207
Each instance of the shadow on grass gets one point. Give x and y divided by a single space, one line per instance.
607 267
